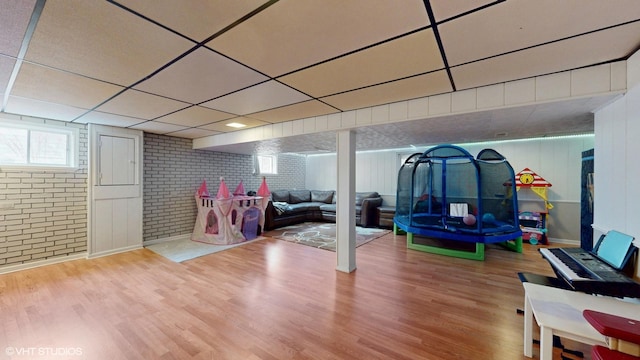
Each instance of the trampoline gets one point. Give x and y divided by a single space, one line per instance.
447 194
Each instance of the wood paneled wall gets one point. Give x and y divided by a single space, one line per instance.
616 171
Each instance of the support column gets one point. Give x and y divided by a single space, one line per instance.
345 206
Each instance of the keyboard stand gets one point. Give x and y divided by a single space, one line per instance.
544 280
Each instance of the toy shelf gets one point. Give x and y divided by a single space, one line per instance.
534 226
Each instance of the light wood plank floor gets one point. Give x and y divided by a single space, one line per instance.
271 299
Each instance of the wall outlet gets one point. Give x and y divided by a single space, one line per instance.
7 205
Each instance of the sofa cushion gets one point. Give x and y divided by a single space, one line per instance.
299 196
280 207
365 195
295 209
280 195
331 208
305 206
328 207
322 196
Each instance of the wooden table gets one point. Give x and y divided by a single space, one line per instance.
559 312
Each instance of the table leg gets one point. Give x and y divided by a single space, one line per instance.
546 343
528 328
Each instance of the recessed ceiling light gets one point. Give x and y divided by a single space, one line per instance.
236 125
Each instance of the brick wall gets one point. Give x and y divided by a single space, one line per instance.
49 214
48 218
291 173
173 171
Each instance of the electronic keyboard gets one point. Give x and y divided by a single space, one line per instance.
584 271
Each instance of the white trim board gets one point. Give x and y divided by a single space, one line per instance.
31 265
114 251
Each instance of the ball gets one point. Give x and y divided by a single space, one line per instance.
469 219
488 218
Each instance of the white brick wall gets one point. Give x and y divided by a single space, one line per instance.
292 170
47 217
49 214
173 171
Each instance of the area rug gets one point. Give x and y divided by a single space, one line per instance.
186 249
322 235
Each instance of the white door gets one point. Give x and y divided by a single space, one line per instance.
115 190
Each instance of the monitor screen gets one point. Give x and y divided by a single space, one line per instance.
615 248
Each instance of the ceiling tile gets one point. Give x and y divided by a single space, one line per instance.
14 17
221 126
157 127
409 55
200 76
293 34
517 24
195 116
6 68
197 20
99 39
585 50
141 105
96 117
350 54
46 84
445 9
193 133
411 88
41 109
257 98
296 111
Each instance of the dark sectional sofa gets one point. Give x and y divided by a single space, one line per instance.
288 207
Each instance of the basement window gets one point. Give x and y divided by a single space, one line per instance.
267 164
37 145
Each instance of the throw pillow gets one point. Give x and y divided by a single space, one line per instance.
280 195
364 195
298 196
322 196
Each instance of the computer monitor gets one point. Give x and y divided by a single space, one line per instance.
615 248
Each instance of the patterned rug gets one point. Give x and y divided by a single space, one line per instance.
322 235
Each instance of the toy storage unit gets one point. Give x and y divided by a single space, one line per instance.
534 227
533 223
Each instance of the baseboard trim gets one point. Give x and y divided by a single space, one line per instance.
34 264
114 251
564 241
170 238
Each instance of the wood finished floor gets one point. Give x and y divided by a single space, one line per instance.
271 299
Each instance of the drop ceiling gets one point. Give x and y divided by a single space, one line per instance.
189 68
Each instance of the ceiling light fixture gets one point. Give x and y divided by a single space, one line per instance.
236 125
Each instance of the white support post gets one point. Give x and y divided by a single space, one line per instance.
345 206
